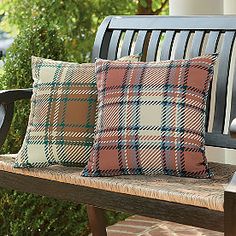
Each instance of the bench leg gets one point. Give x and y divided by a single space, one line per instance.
97 221
229 213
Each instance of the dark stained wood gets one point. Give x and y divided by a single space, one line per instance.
102 40
153 45
197 43
229 214
167 45
127 43
222 82
114 44
97 220
230 208
220 140
6 115
163 210
7 98
139 44
199 26
145 46
105 44
174 22
182 43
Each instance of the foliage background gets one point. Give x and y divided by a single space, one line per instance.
60 30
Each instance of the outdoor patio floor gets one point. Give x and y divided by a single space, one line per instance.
143 226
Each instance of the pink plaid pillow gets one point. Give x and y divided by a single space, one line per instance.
151 118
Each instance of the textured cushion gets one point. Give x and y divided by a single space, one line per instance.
62 118
151 118
208 193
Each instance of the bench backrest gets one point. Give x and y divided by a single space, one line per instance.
164 38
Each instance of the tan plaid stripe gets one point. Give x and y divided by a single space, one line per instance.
151 118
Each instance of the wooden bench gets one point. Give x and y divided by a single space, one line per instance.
208 203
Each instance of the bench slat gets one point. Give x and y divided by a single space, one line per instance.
161 187
162 210
114 44
212 42
222 82
139 44
211 47
127 43
197 43
167 45
173 22
182 43
153 45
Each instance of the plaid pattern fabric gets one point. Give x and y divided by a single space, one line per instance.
151 118
62 118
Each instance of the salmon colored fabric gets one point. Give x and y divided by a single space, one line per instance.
151 118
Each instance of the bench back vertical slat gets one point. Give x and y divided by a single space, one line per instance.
211 47
153 45
197 43
222 81
139 44
127 43
182 43
212 42
167 45
114 44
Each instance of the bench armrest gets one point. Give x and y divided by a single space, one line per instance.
7 99
229 207
232 128
231 187
9 96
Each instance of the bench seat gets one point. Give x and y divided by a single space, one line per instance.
196 192
201 203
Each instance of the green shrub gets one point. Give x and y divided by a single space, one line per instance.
27 214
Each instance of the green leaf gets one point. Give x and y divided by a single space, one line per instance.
156 4
143 3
